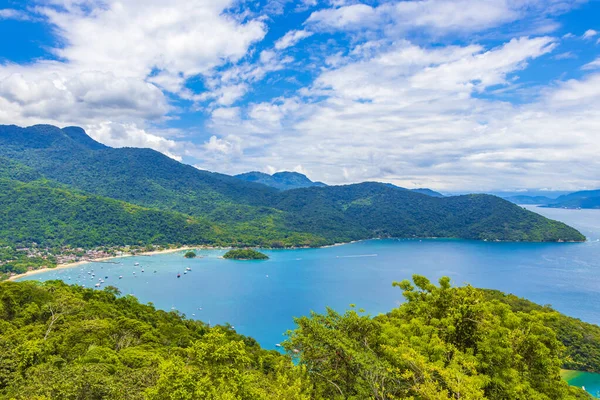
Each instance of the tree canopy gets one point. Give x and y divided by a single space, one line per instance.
245 254
67 342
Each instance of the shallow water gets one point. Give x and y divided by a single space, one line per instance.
260 298
589 381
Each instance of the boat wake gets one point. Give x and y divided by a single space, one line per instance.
358 255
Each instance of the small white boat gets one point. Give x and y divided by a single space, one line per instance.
120 276
136 264
142 270
188 269
277 345
97 285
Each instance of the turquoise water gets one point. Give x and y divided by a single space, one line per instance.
587 380
260 298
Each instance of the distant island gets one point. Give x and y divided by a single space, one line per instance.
245 254
585 199
190 254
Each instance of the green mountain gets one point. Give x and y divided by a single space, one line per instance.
529 199
378 210
36 212
582 199
280 180
248 213
68 342
428 192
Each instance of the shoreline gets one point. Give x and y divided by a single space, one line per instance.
205 247
79 263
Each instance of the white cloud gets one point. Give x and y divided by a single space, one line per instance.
414 116
590 33
291 38
130 135
118 56
592 65
567 55
385 108
9 13
352 16
440 16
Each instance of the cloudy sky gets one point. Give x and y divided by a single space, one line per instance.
450 94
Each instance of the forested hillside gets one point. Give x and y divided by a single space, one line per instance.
281 180
51 216
249 213
67 342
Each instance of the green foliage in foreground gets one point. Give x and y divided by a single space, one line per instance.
190 254
245 254
581 340
67 342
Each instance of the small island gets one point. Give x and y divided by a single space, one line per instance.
245 254
190 254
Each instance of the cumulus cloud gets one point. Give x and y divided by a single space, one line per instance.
378 103
291 38
119 58
414 116
592 65
590 33
439 16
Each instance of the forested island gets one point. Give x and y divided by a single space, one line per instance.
443 342
190 254
245 254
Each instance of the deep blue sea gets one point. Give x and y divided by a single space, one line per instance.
260 298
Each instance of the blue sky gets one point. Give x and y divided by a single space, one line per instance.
450 94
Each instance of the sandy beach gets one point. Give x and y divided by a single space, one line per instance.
149 253
78 263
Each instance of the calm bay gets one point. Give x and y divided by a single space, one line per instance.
260 298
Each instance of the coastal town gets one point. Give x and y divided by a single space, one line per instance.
19 260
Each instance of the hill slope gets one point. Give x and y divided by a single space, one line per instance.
51 215
67 342
280 180
428 192
529 199
337 213
582 199
378 210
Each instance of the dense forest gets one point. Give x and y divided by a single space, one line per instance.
67 342
237 212
39 212
245 254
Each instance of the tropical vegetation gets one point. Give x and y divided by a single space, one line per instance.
245 254
68 342
233 211
190 254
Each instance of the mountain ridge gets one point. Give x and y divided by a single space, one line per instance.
283 180
327 214
585 199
